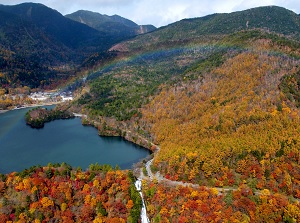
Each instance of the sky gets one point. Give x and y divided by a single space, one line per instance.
158 12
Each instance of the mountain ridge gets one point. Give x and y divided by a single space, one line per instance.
103 17
269 18
113 24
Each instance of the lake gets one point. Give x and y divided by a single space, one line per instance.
60 141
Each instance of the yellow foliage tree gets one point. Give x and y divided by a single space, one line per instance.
46 202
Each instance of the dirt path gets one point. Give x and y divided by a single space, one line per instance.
161 179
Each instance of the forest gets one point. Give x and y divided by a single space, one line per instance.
59 193
37 117
230 130
167 203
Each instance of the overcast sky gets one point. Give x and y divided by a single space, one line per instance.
159 12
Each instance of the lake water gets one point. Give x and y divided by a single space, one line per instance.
60 141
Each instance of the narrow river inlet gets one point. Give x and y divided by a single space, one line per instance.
60 141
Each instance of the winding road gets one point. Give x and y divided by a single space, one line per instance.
150 176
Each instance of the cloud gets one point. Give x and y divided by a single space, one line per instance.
158 12
168 11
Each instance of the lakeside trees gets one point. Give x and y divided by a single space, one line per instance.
38 116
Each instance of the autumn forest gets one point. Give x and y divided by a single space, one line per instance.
217 102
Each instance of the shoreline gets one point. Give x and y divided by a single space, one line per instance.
30 106
3 111
129 136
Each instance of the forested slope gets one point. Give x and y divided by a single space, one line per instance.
222 106
234 118
39 47
234 126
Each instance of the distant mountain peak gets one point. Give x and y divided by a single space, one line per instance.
113 24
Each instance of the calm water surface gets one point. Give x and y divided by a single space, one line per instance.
60 141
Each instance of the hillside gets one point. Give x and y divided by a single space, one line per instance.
223 106
38 44
39 47
66 31
151 60
115 25
22 41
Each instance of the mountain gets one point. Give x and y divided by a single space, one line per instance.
41 47
24 49
52 23
181 48
37 40
115 25
270 18
96 20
